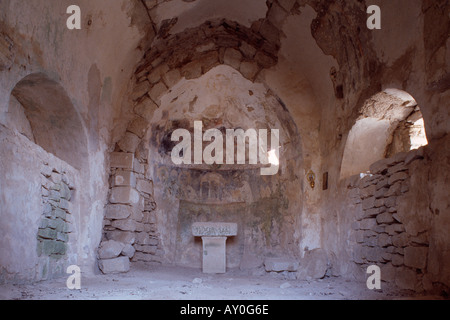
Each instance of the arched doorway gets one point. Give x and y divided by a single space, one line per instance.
390 123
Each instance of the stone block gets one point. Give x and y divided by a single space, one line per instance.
121 236
280 265
397 260
121 160
156 74
394 229
264 60
118 211
249 70
140 90
145 186
373 254
247 50
145 257
397 168
381 193
385 218
390 202
172 77
399 176
415 155
379 166
277 14
384 240
214 229
138 126
124 178
394 190
117 265
270 32
383 183
373 212
214 254
124 225
192 70
209 60
146 249
157 91
128 251
368 224
233 58
401 240
313 265
47 233
110 249
146 108
368 191
129 142
59 213
368 203
416 257
124 195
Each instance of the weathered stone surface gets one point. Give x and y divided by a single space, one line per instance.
416 257
146 108
140 90
121 236
214 229
172 77
117 265
110 249
157 91
398 177
368 224
384 240
138 126
124 195
385 218
121 160
117 211
124 225
313 265
124 178
280 265
192 70
145 186
401 240
128 251
249 70
406 278
232 57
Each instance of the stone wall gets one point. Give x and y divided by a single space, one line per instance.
40 223
381 233
129 225
56 224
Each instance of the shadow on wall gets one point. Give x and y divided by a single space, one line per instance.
43 112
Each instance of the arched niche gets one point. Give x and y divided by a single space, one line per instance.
46 115
390 123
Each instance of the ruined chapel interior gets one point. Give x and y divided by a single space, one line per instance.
87 116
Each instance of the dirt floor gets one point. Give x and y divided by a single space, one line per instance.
175 283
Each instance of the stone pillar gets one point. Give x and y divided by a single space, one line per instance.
214 254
